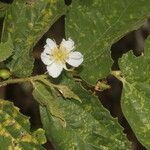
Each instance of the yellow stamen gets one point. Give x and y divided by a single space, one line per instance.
60 54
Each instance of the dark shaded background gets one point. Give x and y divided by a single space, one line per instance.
21 95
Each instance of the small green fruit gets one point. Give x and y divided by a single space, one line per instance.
5 74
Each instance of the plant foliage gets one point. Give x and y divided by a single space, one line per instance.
72 116
15 129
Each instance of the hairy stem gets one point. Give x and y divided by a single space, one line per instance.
21 80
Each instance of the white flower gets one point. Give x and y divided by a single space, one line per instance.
56 56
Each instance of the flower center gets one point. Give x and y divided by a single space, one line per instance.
60 55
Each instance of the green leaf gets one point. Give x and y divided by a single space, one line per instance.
6 49
88 125
67 92
27 22
39 134
15 129
3 8
63 89
136 94
95 25
46 97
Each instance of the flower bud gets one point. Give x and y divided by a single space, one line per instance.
5 74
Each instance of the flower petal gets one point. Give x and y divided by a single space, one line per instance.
51 43
75 59
46 59
54 69
67 44
47 49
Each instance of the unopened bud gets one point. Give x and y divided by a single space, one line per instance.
5 74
